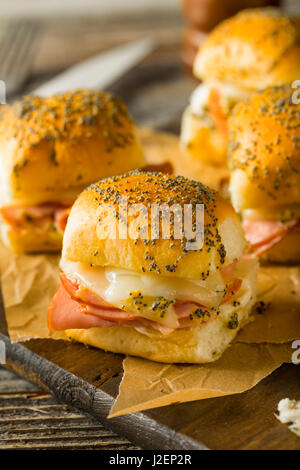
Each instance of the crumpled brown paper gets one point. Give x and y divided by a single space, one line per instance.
279 289
29 282
148 384
252 356
161 147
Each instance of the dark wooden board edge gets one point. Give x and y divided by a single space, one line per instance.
3 323
70 389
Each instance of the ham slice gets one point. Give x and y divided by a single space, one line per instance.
165 167
19 216
150 325
228 271
216 112
75 306
263 234
184 309
78 290
61 218
67 313
64 313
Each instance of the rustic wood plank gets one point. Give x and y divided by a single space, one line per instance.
33 419
249 416
80 393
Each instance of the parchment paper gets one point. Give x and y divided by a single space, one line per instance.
29 282
161 147
148 384
279 289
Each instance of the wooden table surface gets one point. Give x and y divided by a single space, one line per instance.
156 92
33 419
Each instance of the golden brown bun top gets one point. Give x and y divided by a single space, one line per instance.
86 240
265 144
53 145
254 49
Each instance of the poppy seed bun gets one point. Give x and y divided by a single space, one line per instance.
86 238
86 242
52 148
254 49
264 151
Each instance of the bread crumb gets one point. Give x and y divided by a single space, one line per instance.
289 412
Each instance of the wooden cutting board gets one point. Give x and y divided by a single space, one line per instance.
88 378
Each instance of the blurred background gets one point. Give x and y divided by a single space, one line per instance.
41 39
70 7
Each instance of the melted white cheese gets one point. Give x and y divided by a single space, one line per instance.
199 98
280 213
229 94
114 285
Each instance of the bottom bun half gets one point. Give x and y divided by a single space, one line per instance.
197 345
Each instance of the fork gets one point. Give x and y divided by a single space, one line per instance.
16 54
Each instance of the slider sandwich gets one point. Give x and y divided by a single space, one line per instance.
50 150
248 52
151 293
265 172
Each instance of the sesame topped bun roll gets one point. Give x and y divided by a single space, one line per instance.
252 50
149 292
265 172
50 150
